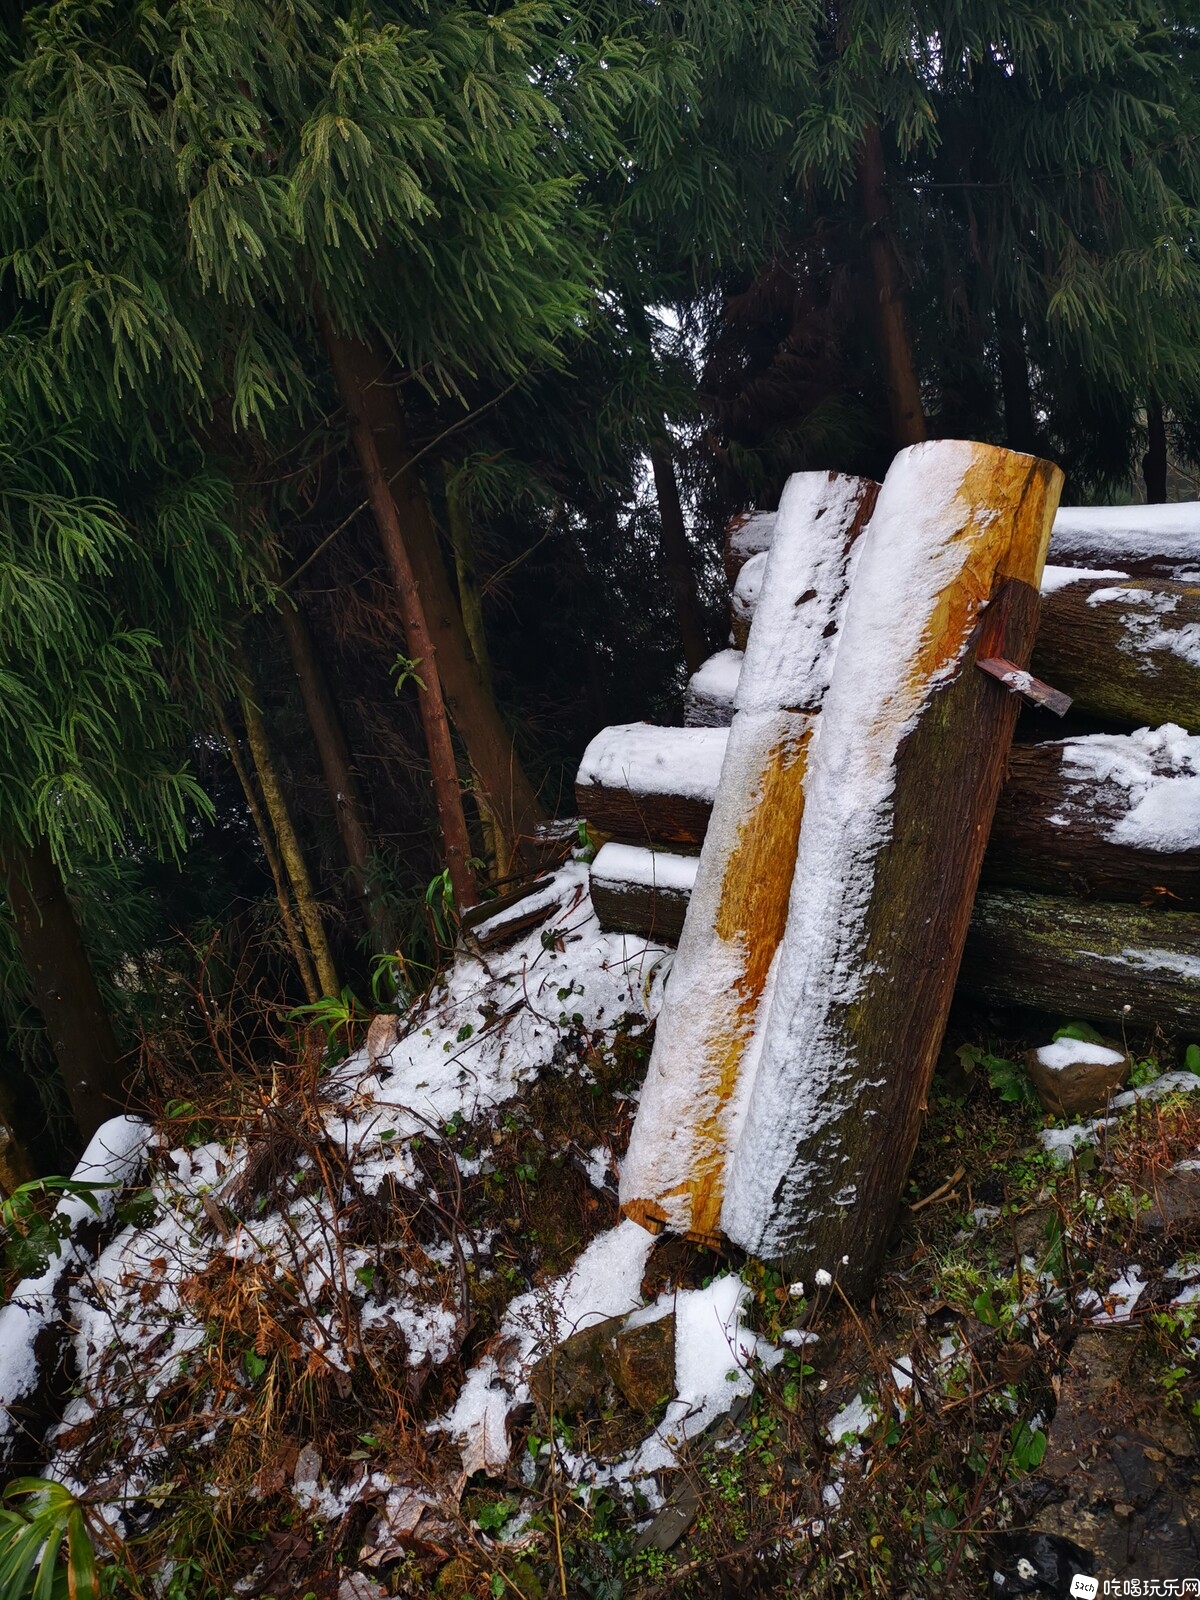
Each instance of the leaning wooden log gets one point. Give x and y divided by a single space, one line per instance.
901 787
674 1169
646 784
1097 960
642 891
1126 649
708 701
1107 817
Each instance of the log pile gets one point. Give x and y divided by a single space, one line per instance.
1100 830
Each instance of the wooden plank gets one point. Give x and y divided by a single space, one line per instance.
673 1171
1125 649
900 792
1101 961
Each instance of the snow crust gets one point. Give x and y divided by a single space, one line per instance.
1065 1053
1146 625
752 536
1056 578
649 760
690 1111
913 552
645 868
1153 776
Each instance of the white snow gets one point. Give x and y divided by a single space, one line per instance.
1065 1053
1151 778
692 1102
1122 1297
1146 625
711 690
1056 578
113 1157
649 760
1059 1142
646 868
748 587
1127 533
855 1418
919 547
751 534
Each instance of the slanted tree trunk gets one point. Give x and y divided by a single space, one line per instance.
64 985
295 939
1124 649
895 343
674 1171
499 776
346 360
1154 462
1020 425
284 828
901 786
334 752
1097 960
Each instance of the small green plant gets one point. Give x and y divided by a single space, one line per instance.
1191 1059
439 903
33 1238
1027 1448
1008 1078
337 1015
32 1541
404 671
491 1518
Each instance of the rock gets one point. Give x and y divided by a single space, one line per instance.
1121 1463
638 1363
641 1363
1176 1201
1075 1077
671 1523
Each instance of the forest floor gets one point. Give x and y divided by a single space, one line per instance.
363 1328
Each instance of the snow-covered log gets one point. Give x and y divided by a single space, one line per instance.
1143 541
1099 960
674 1168
1147 541
708 701
642 891
1128 649
744 599
646 784
1107 816
901 786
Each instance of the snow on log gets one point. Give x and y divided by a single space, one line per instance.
34 1324
744 599
641 891
1143 541
644 783
901 786
678 1151
1107 816
708 702
748 534
1147 541
1099 960
1129 650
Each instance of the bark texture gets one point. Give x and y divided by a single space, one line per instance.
674 819
1087 959
635 908
1125 649
348 362
64 985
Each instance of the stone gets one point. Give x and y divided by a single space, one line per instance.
1076 1077
568 1378
637 1363
641 1363
1175 1196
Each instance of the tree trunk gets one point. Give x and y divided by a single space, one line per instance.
1020 425
300 955
674 1171
64 985
501 780
286 836
346 360
1061 827
497 843
1124 649
1105 962
677 552
904 389
899 796
330 740
1154 462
